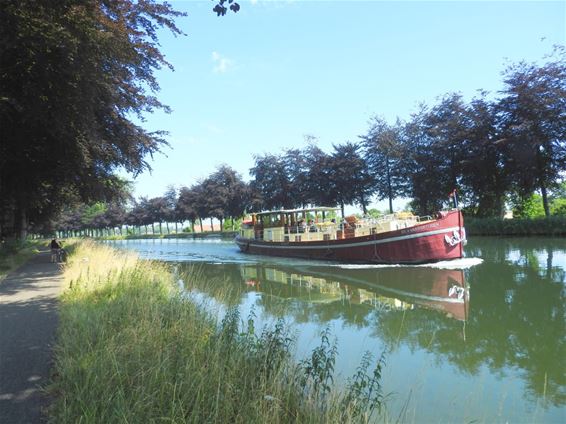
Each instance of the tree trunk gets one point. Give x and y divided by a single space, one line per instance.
545 205
176 231
364 206
200 221
160 229
221 226
342 208
23 224
211 224
153 228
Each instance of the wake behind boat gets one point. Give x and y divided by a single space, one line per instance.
313 233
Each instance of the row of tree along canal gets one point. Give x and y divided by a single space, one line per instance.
504 151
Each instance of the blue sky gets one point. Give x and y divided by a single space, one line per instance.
259 80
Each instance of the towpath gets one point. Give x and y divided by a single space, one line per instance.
28 321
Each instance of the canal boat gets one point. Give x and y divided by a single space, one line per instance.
318 233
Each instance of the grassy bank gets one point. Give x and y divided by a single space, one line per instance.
13 254
552 226
133 348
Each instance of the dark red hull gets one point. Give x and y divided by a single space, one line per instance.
433 241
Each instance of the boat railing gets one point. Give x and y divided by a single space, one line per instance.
313 232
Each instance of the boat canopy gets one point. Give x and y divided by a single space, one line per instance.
285 211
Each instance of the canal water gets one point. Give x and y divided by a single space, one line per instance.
481 339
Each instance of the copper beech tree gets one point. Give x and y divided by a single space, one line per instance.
74 74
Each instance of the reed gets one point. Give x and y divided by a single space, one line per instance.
132 347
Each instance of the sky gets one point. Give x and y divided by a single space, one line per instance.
258 81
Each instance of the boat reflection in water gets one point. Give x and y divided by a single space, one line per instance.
400 288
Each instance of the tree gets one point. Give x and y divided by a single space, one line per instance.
185 208
558 201
484 177
385 154
172 213
142 213
319 187
297 168
220 9
272 182
200 202
420 165
527 207
435 140
115 215
349 174
158 211
227 194
72 76
534 124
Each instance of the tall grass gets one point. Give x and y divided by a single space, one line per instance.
132 348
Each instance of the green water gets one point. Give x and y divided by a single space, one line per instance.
478 340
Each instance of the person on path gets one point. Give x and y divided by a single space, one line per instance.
55 246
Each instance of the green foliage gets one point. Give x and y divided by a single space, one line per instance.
529 207
558 207
317 371
374 213
92 211
364 393
231 224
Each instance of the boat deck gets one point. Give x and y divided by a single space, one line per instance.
333 231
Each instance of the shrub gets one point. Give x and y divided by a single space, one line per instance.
552 226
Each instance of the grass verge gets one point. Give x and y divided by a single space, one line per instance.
133 348
14 254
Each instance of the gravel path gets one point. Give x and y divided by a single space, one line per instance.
28 321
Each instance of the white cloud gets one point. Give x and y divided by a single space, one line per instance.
221 64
